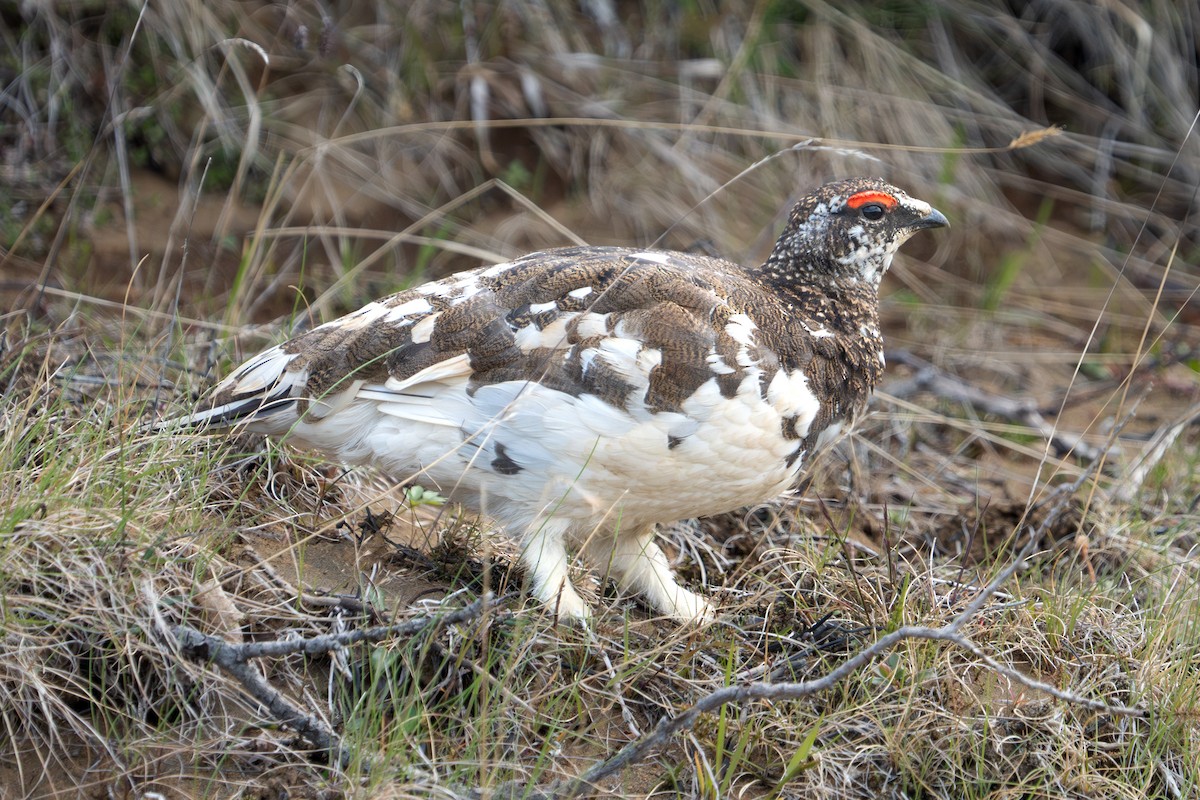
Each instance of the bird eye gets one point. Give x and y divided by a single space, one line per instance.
872 211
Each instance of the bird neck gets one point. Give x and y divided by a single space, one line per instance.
826 296
797 261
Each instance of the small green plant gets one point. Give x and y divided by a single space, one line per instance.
802 759
517 175
417 496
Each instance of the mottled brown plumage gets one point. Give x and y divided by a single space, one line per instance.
584 394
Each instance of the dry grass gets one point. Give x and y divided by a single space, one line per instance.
475 131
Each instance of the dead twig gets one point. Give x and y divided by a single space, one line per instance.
235 660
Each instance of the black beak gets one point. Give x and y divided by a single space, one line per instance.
934 219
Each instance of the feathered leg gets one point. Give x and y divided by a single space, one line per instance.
544 554
639 565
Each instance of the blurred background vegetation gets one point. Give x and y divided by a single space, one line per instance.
620 121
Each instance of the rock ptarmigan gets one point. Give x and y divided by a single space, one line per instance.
583 395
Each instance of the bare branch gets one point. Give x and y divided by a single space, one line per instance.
202 647
234 659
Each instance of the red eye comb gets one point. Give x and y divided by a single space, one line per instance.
871 196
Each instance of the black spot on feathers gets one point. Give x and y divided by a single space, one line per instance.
503 463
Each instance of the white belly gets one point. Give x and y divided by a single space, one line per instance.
519 451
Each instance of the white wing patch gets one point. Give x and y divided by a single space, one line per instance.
469 287
412 308
456 369
332 403
653 257
355 320
553 336
741 329
412 408
717 364
818 333
591 325
789 394
259 373
498 269
621 354
460 286
416 398
423 330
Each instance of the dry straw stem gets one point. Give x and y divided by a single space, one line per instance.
1025 139
1135 474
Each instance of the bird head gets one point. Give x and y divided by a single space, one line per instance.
846 232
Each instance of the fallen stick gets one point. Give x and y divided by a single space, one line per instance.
235 660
